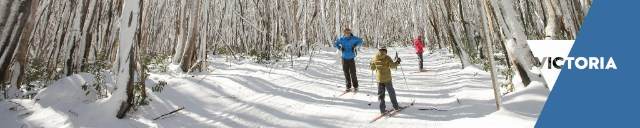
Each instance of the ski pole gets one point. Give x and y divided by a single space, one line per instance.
372 83
402 70
405 78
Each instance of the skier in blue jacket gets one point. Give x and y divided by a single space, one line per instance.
347 43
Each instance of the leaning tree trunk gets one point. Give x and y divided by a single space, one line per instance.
488 25
23 48
516 43
16 31
128 28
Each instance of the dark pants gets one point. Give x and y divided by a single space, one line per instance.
392 95
420 60
349 69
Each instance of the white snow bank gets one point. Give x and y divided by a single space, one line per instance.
528 101
65 104
54 106
65 91
474 69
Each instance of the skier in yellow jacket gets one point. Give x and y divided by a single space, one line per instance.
381 64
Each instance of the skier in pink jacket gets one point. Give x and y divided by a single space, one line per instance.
419 46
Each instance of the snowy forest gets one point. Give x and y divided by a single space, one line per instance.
123 56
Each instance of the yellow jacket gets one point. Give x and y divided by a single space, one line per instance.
382 63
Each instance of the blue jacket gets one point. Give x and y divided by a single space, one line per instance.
347 45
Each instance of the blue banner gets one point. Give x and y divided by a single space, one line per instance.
600 98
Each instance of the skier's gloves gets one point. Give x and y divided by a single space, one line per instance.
354 50
398 60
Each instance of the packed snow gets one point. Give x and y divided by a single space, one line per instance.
242 93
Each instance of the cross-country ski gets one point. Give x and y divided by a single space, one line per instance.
344 93
390 113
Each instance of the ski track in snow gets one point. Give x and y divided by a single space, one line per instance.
246 94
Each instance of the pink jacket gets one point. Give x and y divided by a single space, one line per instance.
417 43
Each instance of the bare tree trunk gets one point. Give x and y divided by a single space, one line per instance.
489 43
23 47
515 42
337 17
125 80
180 34
189 54
551 30
14 43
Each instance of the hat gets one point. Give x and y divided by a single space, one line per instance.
382 47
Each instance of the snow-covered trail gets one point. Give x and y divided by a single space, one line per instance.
245 94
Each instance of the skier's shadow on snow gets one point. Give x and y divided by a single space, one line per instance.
450 111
